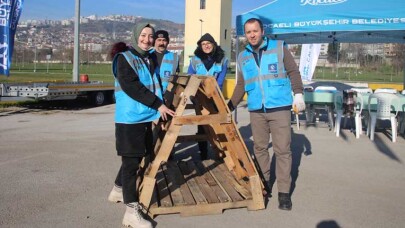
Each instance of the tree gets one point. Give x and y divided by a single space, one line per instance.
398 61
333 52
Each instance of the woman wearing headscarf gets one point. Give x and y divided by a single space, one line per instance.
138 97
209 59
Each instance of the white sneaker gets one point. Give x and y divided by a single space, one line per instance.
133 217
116 195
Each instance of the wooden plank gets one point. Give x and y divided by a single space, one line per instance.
180 183
236 185
190 177
181 80
173 187
202 183
202 120
219 192
146 191
163 190
212 91
222 180
202 209
256 188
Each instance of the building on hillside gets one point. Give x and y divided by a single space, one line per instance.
207 16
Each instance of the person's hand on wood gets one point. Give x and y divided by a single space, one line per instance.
165 111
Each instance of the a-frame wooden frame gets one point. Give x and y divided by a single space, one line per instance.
200 187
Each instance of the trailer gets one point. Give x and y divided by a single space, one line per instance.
96 92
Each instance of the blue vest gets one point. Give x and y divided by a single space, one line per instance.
200 69
268 85
168 67
128 110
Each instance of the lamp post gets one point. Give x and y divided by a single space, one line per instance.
201 27
35 59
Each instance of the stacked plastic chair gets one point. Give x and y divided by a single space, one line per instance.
356 110
360 90
386 90
330 89
383 112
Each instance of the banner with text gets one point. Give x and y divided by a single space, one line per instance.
10 11
308 60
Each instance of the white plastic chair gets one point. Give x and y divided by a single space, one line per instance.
386 90
357 112
325 88
384 103
403 92
357 116
331 89
360 90
339 112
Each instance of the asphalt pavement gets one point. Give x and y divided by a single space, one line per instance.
57 167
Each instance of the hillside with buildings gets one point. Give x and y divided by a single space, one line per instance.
52 40
39 39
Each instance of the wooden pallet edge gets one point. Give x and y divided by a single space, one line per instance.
201 209
256 188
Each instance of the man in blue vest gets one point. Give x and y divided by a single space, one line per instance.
269 75
168 62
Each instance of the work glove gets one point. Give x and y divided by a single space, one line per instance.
298 104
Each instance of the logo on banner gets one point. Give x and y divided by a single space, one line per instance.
10 11
321 2
4 56
273 68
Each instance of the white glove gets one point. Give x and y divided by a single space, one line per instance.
298 103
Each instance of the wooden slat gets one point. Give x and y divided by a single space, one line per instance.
236 185
202 120
202 209
222 180
256 188
191 179
202 183
173 187
221 195
180 183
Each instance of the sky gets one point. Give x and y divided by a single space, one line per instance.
172 10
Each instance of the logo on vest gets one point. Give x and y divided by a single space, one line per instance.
321 2
167 74
272 68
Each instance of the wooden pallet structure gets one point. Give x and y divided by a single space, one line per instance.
200 187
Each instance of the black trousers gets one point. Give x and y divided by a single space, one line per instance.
133 142
127 177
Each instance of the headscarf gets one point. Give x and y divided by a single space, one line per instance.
135 35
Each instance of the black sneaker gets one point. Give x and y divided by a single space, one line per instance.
284 201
